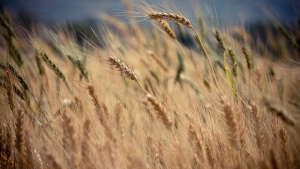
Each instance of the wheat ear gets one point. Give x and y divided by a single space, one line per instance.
124 70
55 68
172 17
161 110
167 28
184 21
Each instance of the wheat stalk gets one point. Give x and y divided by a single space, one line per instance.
55 68
158 61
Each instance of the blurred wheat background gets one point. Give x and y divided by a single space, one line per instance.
149 85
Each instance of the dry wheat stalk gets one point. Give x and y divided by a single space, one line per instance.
158 61
167 28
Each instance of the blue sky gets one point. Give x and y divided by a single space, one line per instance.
227 11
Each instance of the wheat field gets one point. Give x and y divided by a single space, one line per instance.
141 98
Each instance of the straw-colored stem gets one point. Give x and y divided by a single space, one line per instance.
207 57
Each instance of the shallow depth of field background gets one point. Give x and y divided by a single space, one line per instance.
97 84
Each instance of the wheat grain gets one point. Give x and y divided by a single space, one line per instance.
167 28
172 17
122 67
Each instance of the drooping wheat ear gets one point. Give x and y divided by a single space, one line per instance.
55 68
229 76
172 17
248 59
13 52
167 28
19 77
220 41
16 90
100 112
279 111
39 64
80 65
95 101
231 123
233 62
161 110
124 70
184 21
158 61
5 22
289 38
260 135
122 67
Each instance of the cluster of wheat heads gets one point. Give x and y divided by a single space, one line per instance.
160 112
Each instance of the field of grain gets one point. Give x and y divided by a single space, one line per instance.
143 98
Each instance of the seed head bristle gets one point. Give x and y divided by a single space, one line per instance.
172 17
